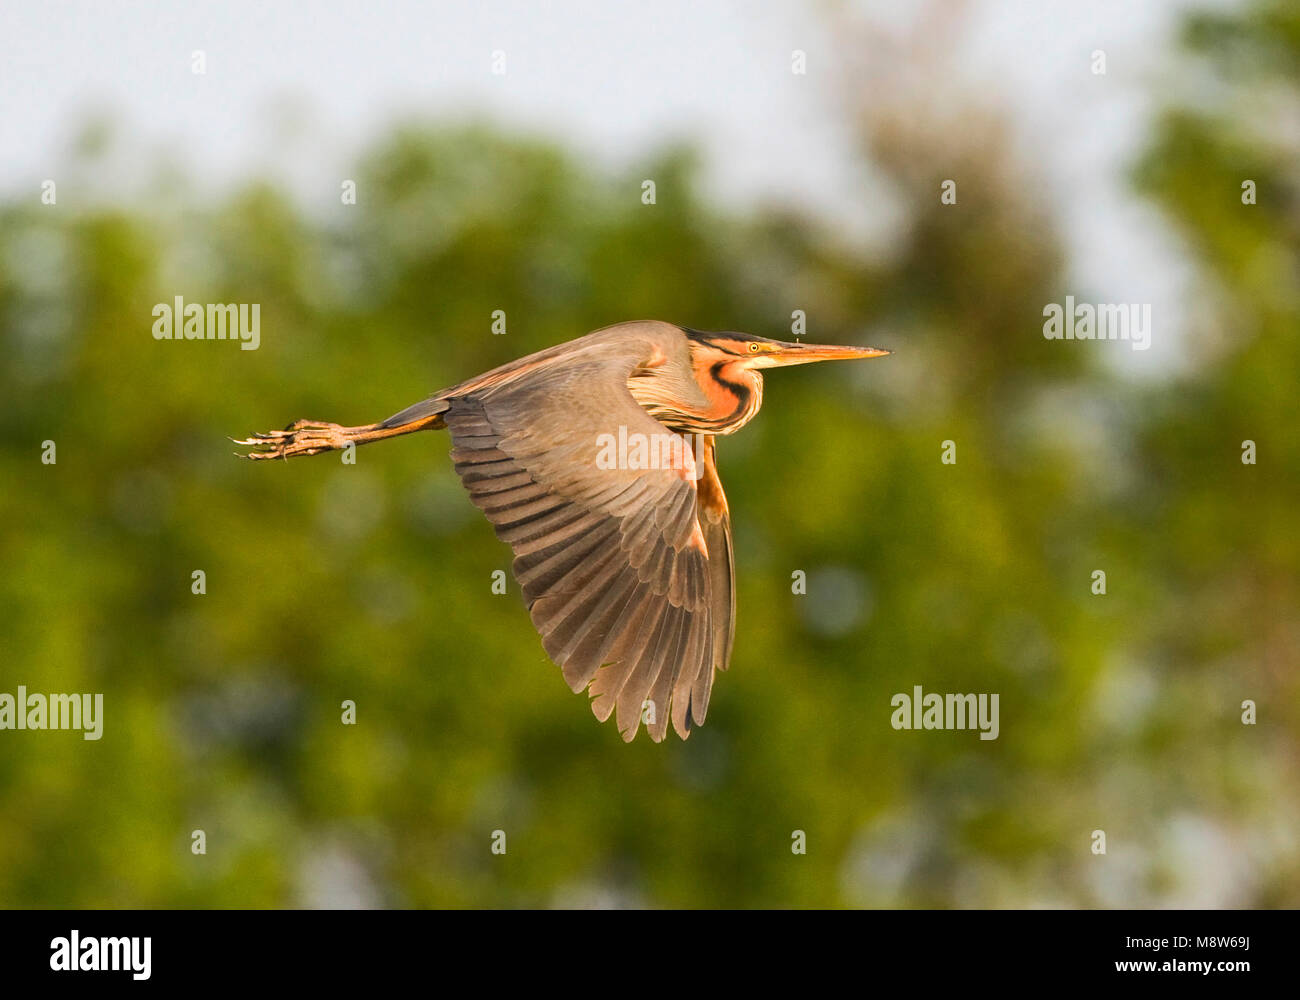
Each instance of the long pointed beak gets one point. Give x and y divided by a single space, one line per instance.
802 354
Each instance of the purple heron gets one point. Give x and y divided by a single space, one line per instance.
625 560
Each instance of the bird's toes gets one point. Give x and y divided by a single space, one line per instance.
308 425
302 437
270 445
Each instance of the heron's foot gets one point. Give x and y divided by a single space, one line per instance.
302 437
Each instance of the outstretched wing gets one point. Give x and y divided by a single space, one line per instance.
626 571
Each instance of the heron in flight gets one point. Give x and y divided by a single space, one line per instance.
623 551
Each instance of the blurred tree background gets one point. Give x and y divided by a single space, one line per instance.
372 582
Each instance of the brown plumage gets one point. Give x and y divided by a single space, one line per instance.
624 556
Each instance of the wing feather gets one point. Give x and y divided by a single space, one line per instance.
626 572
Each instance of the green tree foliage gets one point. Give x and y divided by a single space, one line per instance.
371 582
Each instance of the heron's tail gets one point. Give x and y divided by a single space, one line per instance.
427 413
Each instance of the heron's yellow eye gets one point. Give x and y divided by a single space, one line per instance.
753 347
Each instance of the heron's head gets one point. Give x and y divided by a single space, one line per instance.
746 351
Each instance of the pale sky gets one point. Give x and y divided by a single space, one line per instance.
613 82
